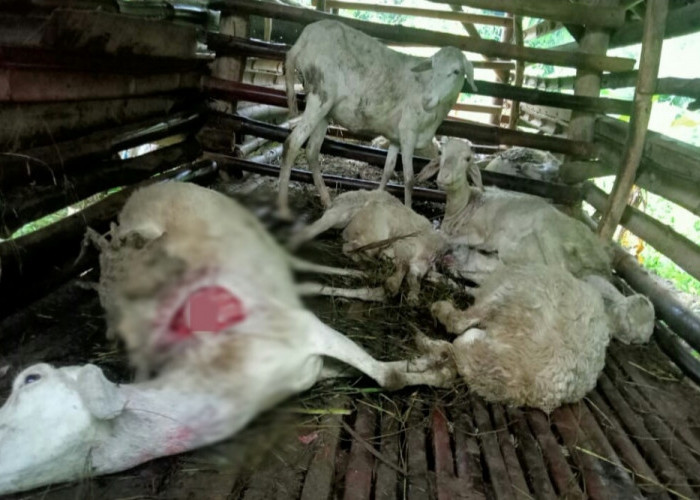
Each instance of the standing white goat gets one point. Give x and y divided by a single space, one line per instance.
363 85
203 296
376 224
489 228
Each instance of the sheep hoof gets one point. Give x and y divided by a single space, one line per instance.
284 214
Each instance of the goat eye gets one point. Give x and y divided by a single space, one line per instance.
31 378
455 72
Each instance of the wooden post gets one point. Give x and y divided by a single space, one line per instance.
504 75
587 83
519 71
267 29
231 68
652 42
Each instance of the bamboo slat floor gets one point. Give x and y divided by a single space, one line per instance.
637 435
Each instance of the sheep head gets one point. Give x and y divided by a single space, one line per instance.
456 164
51 422
445 73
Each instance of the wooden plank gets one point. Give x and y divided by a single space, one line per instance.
400 33
417 485
562 476
554 99
386 483
470 478
107 33
654 25
31 85
557 10
673 245
442 452
680 21
535 468
542 28
318 482
519 72
510 457
358 474
464 17
30 125
477 108
498 472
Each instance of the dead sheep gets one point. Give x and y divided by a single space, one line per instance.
377 225
204 298
358 82
489 228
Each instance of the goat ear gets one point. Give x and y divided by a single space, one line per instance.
475 175
469 73
430 169
425 65
100 396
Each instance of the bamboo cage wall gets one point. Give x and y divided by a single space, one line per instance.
200 93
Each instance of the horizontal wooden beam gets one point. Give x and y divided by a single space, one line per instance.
475 132
30 125
28 57
673 245
541 28
662 154
499 65
680 21
477 108
277 51
31 85
554 99
377 157
463 17
557 10
30 203
688 87
47 165
401 34
35 264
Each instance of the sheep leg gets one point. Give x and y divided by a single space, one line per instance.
413 280
313 148
454 320
408 145
389 165
309 267
390 375
367 294
334 217
393 282
632 318
315 112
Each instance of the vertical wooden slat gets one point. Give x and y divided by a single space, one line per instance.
358 478
564 480
652 42
417 487
519 71
498 472
510 457
319 478
387 477
535 466
467 454
442 451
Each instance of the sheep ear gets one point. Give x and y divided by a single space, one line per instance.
469 73
100 396
430 169
425 65
475 175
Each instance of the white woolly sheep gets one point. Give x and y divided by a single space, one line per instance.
489 228
364 86
376 224
201 294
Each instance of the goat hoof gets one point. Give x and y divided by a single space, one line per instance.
284 214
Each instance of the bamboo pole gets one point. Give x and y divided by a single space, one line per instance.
40 261
400 34
475 132
654 26
673 245
557 10
464 17
519 72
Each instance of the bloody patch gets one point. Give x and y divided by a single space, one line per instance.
209 309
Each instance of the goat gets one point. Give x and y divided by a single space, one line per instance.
490 227
363 85
526 162
202 296
377 224
535 336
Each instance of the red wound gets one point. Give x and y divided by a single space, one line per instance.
210 309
